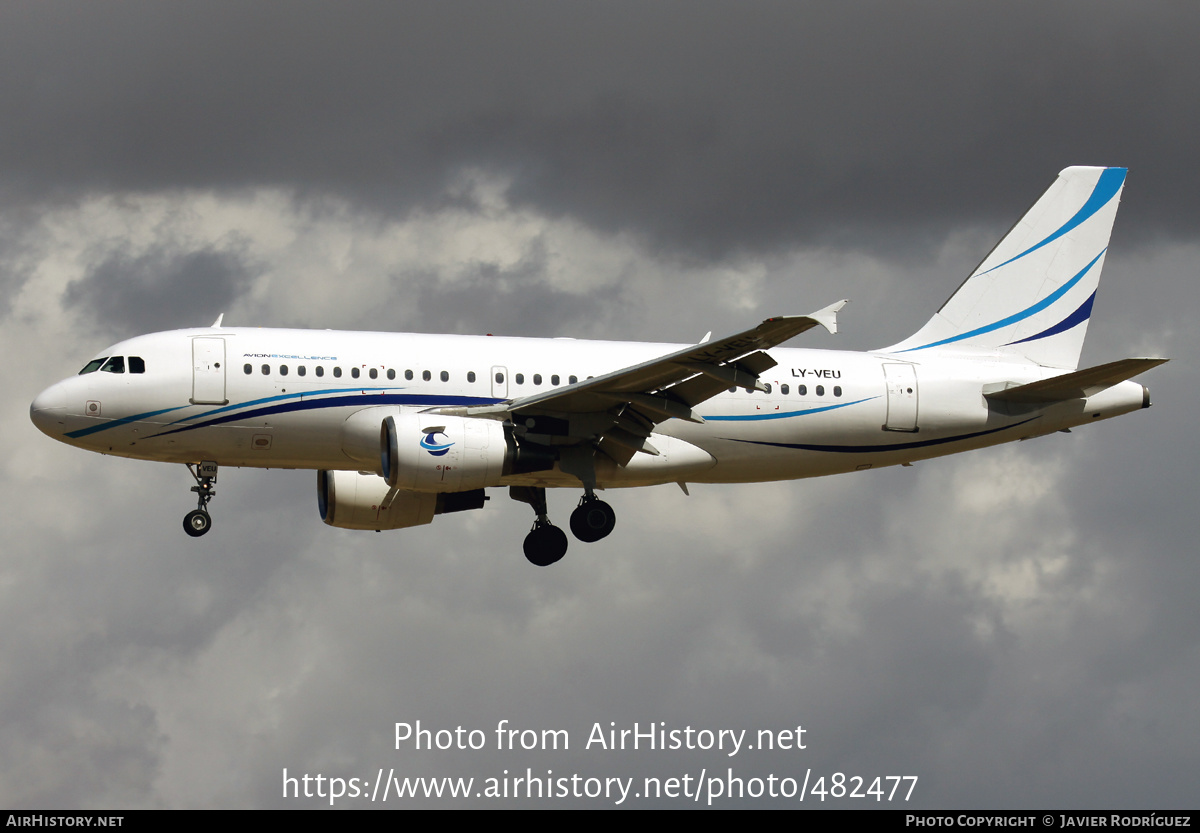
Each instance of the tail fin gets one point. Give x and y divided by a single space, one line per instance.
1031 297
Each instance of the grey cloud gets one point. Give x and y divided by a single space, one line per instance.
161 289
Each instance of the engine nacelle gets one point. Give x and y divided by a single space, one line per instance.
361 500
432 453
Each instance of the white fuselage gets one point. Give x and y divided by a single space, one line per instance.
274 398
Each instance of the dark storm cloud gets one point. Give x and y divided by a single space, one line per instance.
703 126
161 289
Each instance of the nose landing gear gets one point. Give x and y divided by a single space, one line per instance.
198 521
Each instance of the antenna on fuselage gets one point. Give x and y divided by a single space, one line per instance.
217 323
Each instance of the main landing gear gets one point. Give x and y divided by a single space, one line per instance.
592 519
198 521
545 544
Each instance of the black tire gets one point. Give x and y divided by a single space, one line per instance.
592 520
545 545
196 523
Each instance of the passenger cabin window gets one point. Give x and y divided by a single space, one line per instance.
354 372
499 378
391 373
573 379
248 369
320 370
114 365
802 390
520 377
266 369
93 365
471 376
537 378
373 373
444 376
425 374
301 370
554 380
408 374
784 389
337 373
283 370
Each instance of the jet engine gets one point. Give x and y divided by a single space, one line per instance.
362 500
434 453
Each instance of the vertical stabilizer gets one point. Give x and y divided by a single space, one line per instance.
1031 298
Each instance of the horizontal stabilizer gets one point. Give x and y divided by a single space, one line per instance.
1077 385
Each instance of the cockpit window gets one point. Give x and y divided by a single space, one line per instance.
114 365
93 365
136 364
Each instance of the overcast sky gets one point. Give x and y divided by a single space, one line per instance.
1017 627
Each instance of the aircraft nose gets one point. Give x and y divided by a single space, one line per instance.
48 410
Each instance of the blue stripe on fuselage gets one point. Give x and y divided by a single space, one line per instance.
784 414
361 400
871 449
113 423
278 398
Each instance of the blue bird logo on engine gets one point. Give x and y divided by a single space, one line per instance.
433 446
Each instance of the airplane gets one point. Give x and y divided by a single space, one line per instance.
401 428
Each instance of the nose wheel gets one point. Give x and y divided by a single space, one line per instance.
198 521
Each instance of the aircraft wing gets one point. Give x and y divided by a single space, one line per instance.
623 406
668 386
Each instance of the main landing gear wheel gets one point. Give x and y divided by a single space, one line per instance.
196 523
545 544
593 519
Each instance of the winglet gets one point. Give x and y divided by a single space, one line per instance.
827 317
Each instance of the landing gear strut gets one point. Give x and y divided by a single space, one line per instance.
545 543
197 522
592 519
